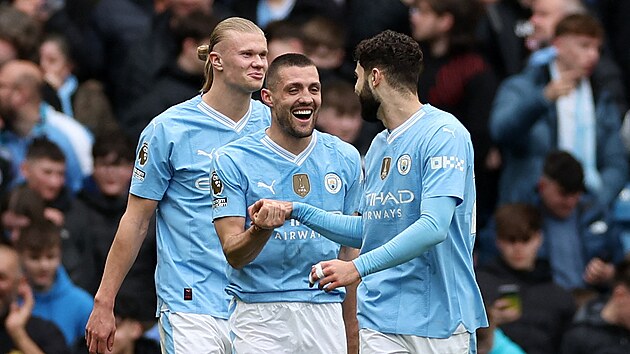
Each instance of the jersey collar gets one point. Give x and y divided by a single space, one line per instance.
223 119
282 152
405 126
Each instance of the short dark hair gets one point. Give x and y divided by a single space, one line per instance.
396 54
39 237
42 148
562 168
114 142
517 221
580 24
286 60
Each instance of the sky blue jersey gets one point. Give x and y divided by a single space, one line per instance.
430 155
173 164
327 174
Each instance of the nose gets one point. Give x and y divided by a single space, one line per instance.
259 62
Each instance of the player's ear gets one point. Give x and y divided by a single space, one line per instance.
215 60
376 77
265 94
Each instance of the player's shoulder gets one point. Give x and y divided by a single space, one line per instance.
180 113
243 144
439 121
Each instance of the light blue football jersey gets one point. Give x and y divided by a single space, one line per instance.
430 155
327 174
173 165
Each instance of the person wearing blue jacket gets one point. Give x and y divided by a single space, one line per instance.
57 299
555 105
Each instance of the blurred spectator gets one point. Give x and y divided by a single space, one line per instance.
22 207
555 106
43 170
340 115
502 32
603 326
92 221
26 117
456 78
581 243
19 35
86 102
20 332
537 318
325 45
546 14
177 82
57 299
283 37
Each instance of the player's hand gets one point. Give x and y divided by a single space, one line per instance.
598 272
286 207
336 273
19 315
100 329
269 216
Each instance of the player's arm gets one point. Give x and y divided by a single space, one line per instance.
345 230
429 230
131 232
241 245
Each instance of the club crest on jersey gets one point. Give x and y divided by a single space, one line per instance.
404 164
301 184
143 154
385 167
215 182
332 182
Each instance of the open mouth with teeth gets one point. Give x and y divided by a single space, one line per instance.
302 113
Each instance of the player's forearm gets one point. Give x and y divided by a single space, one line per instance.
121 256
429 230
243 248
344 229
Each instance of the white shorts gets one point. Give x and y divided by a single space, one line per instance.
287 327
184 333
374 342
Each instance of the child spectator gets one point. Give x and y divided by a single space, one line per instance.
57 299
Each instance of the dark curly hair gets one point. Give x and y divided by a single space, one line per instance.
396 54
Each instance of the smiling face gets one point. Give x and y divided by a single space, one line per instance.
242 60
295 99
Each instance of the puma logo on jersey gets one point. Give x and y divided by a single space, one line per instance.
267 186
452 132
208 154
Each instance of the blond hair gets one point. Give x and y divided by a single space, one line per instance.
236 24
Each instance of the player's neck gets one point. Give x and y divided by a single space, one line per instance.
290 143
397 109
229 102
